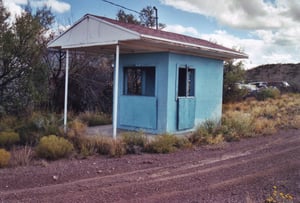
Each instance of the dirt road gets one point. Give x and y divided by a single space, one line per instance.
242 171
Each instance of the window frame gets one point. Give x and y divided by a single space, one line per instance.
189 82
143 77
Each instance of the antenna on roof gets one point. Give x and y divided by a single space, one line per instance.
156 18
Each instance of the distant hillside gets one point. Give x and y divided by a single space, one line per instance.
276 72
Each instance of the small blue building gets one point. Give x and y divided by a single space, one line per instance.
164 82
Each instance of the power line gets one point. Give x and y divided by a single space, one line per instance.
118 5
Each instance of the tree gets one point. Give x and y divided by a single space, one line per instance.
23 74
233 73
146 18
126 18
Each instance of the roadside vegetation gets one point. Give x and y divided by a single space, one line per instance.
279 196
40 135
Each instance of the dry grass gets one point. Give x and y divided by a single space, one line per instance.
102 145
135 142
167 143
209 132
270 114
295 123
212 140
76 128
95 118
264 126
117 148
21 156
238 123
251 118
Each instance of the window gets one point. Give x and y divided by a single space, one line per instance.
139 81
186 82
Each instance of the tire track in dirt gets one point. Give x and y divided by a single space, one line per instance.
170 196
155 175
154 195
156 172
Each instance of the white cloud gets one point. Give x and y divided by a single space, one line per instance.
55 5
182 30
15 6
254 14
261 51
273 24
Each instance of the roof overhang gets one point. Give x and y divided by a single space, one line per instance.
151 45
93 34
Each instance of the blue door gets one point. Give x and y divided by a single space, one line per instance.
186 101
186 113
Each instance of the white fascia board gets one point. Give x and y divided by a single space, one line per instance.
195 45
73 46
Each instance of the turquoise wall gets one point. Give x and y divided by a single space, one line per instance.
208 88
147 113
158 114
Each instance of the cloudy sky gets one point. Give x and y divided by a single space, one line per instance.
267 30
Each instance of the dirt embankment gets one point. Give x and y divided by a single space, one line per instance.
231 172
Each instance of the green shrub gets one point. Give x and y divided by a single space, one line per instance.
37 125
4 158
76 128
209 132
76 134
9 138
163 144
237 124
263 94
48 123
94 118
135 142
183 143
8 122
29 134
53 147
235 94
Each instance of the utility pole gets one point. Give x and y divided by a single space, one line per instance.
156 17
